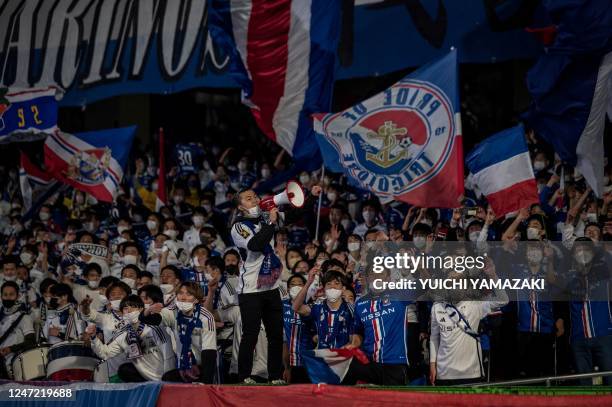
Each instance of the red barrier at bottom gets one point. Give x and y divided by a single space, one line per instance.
187 395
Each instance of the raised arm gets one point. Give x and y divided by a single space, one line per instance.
298 302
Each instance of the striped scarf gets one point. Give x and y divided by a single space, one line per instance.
185 325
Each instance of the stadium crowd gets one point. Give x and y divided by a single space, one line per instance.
209 288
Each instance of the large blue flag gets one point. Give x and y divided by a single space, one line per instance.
92 162
570 85
403 143
27 115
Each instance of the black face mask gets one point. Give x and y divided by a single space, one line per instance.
8 303
232 269
53 304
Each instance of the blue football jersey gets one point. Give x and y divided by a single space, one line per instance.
535 316
534 313
590 308
188 157
191 274
333 328
382 324
298 333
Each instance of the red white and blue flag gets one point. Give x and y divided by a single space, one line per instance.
92 161
403 143
283 56
330 366
502 170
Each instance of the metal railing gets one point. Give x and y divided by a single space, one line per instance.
547 380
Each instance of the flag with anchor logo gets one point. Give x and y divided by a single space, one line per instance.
403 143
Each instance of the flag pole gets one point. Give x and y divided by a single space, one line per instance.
319 205
161 177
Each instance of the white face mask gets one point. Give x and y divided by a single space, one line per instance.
254 212
332 196
539 165
535 256
130 259
533 233
121 229
198 221
129 281
89 227
474 236
151 224
419 241
178 199
304 179
184 306
265 173
332 294
294 291
354 246
26 258
171 233
93 284
591 217
166 288
583 257
368 216
131 317
44 216
208 276
115 304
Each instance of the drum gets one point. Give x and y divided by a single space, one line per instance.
30 364
71 361
101 373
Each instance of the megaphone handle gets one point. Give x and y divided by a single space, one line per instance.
266 216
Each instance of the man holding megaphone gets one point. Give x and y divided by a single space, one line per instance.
259 298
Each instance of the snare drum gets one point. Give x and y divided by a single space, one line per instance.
30 364
71 361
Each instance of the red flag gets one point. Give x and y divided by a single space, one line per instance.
161 177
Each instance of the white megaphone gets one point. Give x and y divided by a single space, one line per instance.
292 195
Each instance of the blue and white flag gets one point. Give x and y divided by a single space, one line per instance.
79 394
570 85
91 162
27 115
403 143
